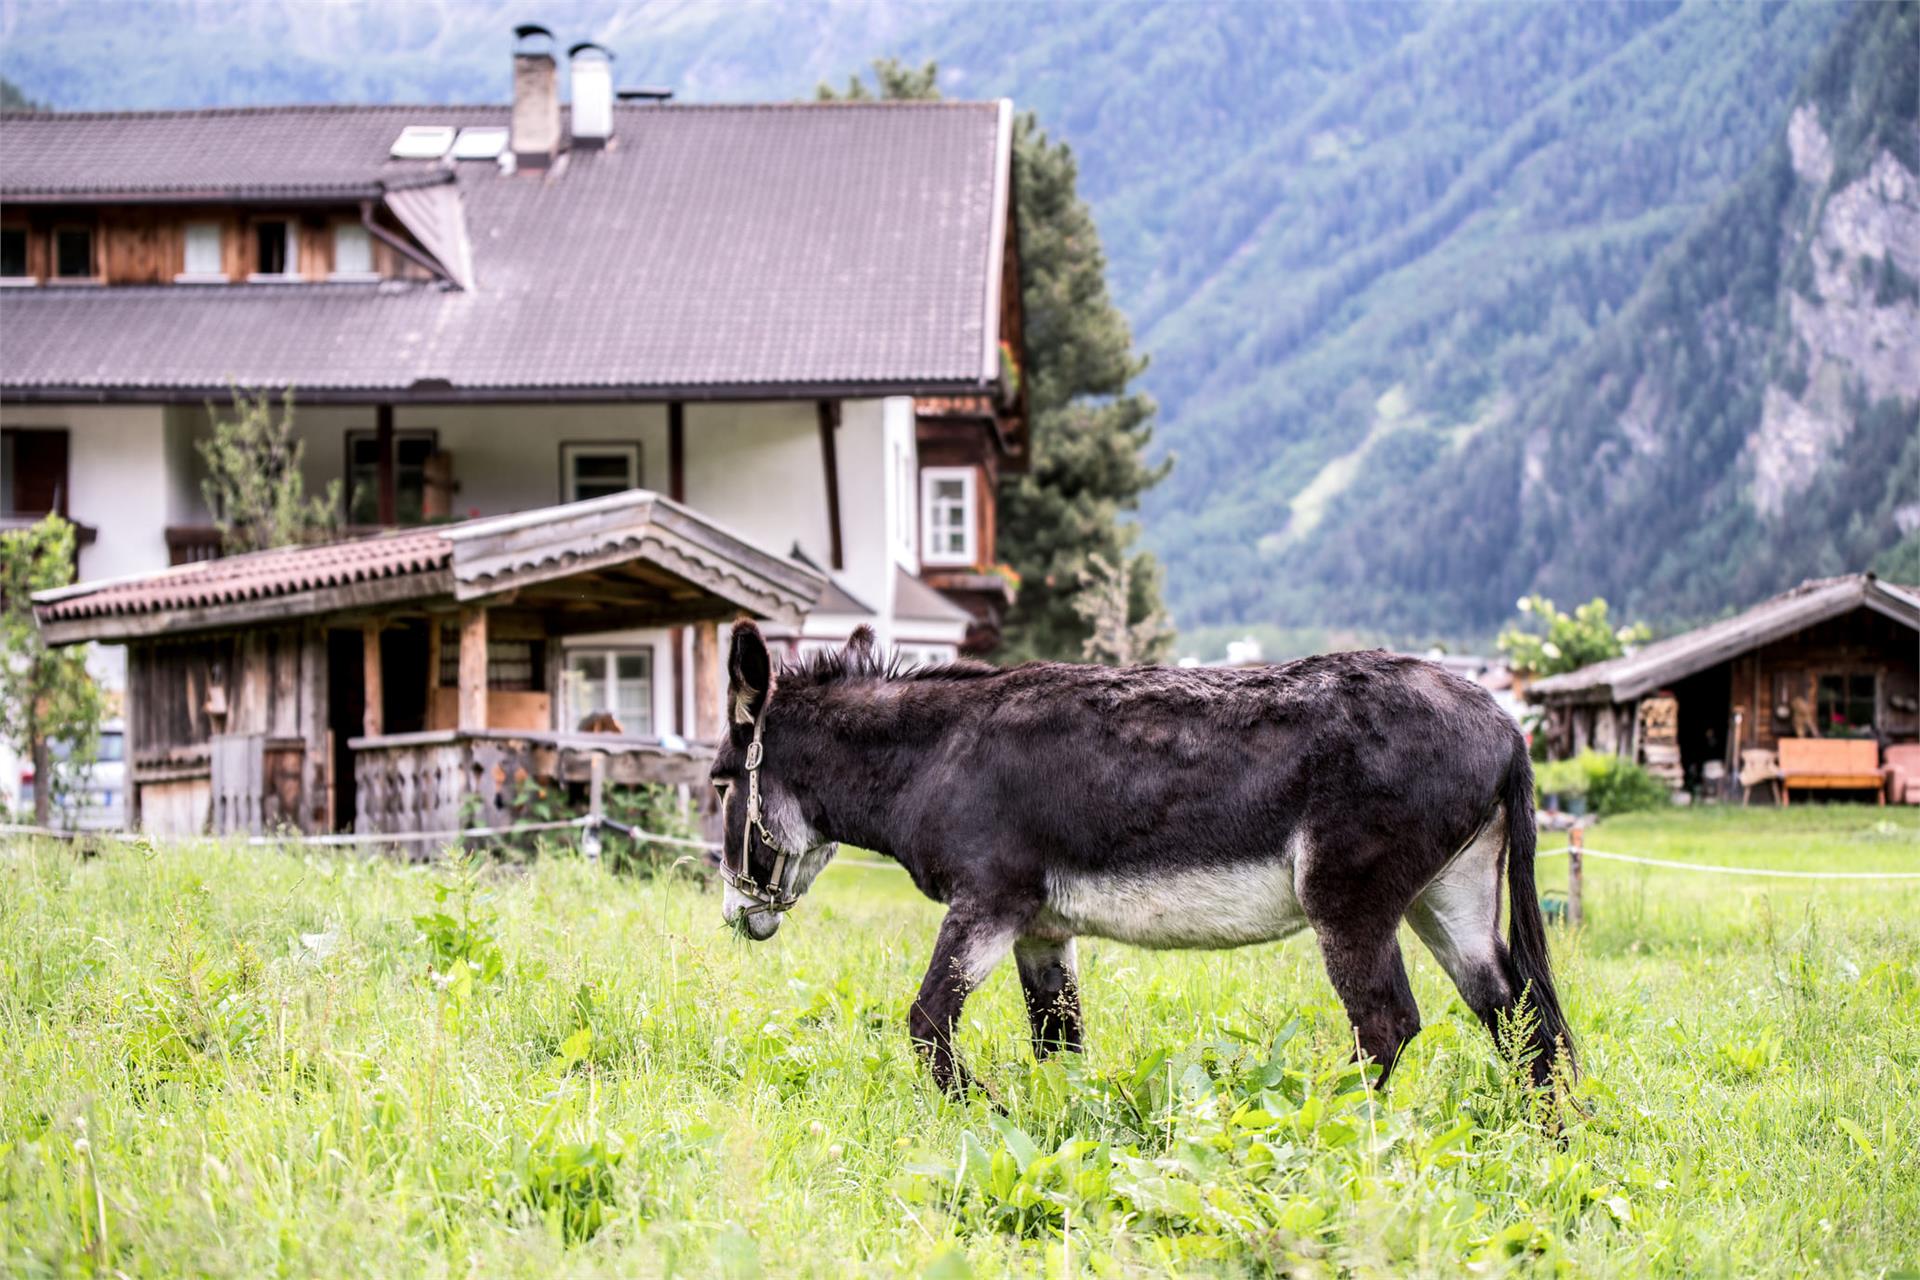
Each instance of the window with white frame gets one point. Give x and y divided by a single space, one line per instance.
352 251
946 513
201 261
596 470
616 682
276 253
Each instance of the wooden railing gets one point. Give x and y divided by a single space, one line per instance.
192 543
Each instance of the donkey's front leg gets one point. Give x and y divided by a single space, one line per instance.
971 943
1052 987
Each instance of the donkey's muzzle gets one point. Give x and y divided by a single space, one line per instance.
757 925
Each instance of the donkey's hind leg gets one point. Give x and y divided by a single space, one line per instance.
1049 979
1457 916
1371 978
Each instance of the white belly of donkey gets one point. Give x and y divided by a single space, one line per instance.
1228 906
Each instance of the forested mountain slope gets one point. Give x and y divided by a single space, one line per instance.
1749 417
1388 259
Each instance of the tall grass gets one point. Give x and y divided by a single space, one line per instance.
223 1061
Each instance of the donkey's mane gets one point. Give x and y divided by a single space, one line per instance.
846 665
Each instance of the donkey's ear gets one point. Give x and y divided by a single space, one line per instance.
860 647
749 673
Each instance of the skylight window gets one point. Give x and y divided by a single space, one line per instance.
422 142
481 142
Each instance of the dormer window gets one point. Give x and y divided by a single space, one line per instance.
13 256
352 252
274 255
73 253
201 262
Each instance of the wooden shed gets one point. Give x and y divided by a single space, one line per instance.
1834 657
406 682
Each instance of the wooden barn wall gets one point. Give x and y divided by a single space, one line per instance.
1861 642
268 684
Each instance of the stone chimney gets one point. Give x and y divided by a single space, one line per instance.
536 98
590 68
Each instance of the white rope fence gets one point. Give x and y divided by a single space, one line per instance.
654 837
1735 871
372 838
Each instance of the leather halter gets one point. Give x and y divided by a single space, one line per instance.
778 895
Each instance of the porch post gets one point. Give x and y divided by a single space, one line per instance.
371 720
473 668
383 445
709 682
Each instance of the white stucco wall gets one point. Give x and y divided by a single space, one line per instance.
117 474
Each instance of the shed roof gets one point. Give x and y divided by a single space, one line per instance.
818 248
466 561
1633 675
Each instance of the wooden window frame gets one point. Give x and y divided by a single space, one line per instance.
970 499
63 500
97 275
432 435
572 449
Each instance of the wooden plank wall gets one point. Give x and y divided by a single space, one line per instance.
266 687
143 246
1863 642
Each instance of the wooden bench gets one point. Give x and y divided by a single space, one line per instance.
1830 764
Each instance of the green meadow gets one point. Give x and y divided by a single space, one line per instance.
223 1061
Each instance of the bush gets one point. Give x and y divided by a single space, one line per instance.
1612 784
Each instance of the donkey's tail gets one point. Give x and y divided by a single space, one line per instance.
1530 969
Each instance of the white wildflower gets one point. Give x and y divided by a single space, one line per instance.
1524 604
1551 649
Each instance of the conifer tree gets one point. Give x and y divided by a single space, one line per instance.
1090 426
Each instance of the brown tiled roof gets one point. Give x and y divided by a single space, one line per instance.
711 250
1677 657
256 576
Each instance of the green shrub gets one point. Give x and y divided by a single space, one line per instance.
1611 784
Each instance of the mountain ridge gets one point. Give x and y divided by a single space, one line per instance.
1365 246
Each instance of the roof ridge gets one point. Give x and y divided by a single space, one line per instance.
227 111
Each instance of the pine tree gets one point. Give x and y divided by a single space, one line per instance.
1089 430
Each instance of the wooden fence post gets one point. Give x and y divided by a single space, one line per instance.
596 779
1575 842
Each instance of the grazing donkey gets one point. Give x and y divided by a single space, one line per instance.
1158 806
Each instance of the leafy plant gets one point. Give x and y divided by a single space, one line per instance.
1562 641
459 932
46 694
1611 784
570 1185
253 485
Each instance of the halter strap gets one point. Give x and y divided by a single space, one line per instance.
777 895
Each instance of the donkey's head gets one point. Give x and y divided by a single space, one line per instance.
772 850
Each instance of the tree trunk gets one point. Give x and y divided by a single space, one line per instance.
42 781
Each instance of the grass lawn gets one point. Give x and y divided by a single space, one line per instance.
228 1062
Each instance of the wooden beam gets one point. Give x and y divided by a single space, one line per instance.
371 719
473 667
383 445
709 683
433 656
830 464
677 451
